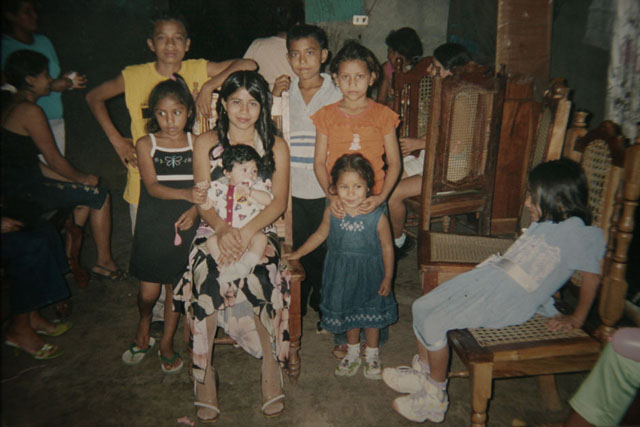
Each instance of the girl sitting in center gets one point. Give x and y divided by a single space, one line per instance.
356 279
507 289
238 197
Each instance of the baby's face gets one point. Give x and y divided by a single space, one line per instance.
243 173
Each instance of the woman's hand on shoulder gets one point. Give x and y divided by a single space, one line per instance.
336 207
369 204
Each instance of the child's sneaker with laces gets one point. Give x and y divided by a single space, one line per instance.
428 403
372 367
405 379
348 366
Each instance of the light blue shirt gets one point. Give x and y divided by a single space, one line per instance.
52 103
304 183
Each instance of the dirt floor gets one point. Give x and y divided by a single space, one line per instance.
90 386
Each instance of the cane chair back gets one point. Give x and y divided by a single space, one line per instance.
291 268
463 252
530 349
413 92
461 147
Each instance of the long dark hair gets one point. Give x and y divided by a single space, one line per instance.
407 43
258 88
559 188
177 89
352 163
22 64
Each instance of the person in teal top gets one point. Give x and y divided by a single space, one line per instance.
21 22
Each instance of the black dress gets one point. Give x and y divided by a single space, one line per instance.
27 194
154 256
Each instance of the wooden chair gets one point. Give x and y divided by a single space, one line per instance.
461 147
280 114
531 132
442 256
413 92
530 349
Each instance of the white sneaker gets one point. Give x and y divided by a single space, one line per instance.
373 367
348 367
429 403
404 379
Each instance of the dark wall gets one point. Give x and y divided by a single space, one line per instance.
100 37
583 65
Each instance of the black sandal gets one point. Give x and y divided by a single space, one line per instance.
118 274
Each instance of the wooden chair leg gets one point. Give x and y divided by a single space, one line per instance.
481 382
295 332
549 392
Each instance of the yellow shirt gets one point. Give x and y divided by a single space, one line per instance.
139 80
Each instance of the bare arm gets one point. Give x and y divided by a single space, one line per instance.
316 239
320 169
218 73
386 242
260 196
96 98
394 165
150 179
36 125
588 290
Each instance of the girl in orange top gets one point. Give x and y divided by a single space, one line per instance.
357 124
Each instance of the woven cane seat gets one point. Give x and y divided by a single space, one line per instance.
534 330
457 248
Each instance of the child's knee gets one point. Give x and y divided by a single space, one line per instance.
148 293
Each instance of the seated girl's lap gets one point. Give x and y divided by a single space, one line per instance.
50 194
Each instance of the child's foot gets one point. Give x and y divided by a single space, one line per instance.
405 379
428 403
348 366
234 271
171 365
372 364
272 395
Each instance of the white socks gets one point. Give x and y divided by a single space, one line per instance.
353 351
371 353
400 240
240 268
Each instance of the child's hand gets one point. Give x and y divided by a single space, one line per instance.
187 219
243 189
409 145
385 288
198 195
203 103
564 322
369 204
336 207
281 84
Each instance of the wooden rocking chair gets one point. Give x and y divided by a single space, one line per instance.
530 349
